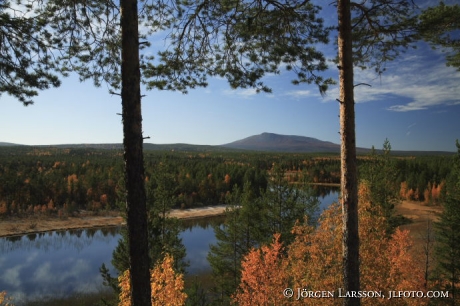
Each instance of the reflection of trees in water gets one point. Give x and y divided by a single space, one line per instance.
322 191
50 241
204 223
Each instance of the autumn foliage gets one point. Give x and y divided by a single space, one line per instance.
167 286
263 274
4 300
314 262
430 195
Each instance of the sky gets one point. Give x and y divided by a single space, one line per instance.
415 103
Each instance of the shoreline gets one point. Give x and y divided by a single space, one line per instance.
417 212
17 226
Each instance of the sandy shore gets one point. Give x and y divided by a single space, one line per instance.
421 216
415 211
37 224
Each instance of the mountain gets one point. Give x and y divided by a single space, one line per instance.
283 143
8 144
268 142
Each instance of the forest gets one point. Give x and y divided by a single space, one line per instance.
62 181
271 223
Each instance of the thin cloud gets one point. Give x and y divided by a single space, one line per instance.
300 93
422 81
246 93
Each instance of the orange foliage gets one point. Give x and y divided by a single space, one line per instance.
403 191
314 260
51 205
410 195
227 179
37 208
167 286
71 179
103 199
262 277
416 196
3 208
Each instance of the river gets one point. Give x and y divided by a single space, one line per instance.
58 265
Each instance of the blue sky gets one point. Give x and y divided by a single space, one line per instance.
415 104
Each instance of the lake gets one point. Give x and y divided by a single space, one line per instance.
56 265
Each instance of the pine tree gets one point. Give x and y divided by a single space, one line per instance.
27 63
244 228
370 34
448 234
381 175
285 204
438 25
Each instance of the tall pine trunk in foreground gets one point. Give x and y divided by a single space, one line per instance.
136 209
349 180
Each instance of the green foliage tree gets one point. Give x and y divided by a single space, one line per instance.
242 229
275 33
285 204
163 231
382 176
251 222
27 61
439 25
448 234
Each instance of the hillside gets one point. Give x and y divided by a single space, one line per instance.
283 143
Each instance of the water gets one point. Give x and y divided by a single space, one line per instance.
55 264
61 264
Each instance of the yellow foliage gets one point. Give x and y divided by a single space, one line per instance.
167 285
4 301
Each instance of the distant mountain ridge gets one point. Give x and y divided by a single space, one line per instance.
265 142
8 144
284 143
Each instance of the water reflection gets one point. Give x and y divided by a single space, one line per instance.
56 240
55 264
197 237
61 264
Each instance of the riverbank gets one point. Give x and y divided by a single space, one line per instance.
37 224
415 211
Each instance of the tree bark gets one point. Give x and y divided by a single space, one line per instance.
349 181
133 155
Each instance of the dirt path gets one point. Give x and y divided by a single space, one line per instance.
37 224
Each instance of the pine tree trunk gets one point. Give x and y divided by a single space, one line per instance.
349 179
133 155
